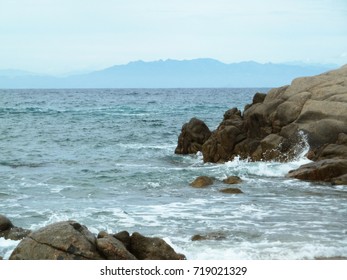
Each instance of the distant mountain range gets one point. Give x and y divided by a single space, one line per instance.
169 73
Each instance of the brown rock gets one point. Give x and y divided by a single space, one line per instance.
327 170
124 237
232 180
59 241
152 248
5 223
113 249
231 191
193 136
201 182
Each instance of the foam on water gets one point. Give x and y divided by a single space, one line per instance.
105 158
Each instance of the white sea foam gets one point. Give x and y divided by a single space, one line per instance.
7 246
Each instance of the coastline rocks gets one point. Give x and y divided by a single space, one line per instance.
59 241
152 248
202 182
113 249
310 112
69 240
326 170
193 136
330 164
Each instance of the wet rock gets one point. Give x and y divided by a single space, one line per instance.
279 126
5 223
231 180
231 191
193 136
331 258
67 240
152 248
124 237
209 236
1 258
9 231
202 182
328 170
113 249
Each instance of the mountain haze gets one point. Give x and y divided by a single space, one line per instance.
171 74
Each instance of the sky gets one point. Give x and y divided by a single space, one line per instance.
62 36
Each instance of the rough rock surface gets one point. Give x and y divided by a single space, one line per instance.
279 125
202 182
59 241
192 137
70 240
152 248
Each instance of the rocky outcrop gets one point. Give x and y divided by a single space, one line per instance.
330 164
69 240
279 125
193 136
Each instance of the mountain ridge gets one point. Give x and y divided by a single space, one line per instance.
170 73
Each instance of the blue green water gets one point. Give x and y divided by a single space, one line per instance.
106 159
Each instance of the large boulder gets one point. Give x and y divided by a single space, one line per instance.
66 240
193 136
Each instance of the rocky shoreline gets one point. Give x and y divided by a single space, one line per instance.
278 125
69 240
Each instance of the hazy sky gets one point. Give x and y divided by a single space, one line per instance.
55 36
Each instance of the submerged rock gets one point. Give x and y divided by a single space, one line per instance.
231 180
231 191
209 236
202 182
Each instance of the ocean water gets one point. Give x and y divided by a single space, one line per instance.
105 158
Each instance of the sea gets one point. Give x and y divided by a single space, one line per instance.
105 158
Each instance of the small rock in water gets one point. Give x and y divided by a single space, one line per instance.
231 191
201 182
209 236
232 180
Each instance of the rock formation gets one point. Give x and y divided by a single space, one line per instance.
276 126
69 240
193 135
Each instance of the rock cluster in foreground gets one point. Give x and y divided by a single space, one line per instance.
277 126
69 240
